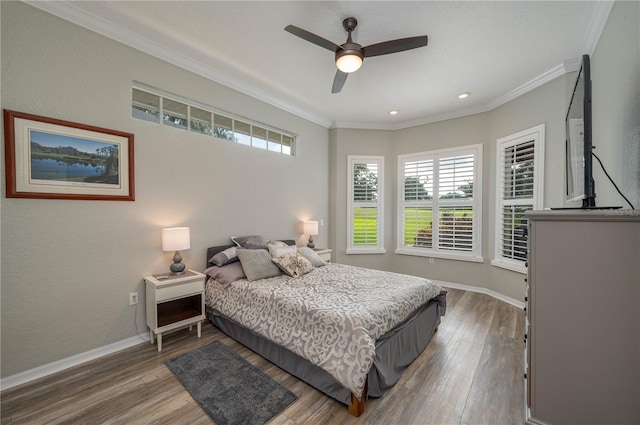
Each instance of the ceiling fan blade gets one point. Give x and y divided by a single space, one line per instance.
312 38
338 81
394 46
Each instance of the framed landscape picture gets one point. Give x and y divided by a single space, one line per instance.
55 159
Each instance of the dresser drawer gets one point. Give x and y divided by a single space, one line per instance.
179 290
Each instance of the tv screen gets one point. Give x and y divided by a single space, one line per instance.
580 184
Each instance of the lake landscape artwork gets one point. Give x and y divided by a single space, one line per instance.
61 158
50 158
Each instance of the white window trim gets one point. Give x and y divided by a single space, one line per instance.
537 134
476 254
379 248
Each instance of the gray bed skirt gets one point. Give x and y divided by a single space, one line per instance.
394 352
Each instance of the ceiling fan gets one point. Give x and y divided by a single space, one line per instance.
349 56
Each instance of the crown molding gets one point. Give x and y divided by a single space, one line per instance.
68 11
532 84
596 25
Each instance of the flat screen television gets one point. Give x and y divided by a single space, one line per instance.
579 165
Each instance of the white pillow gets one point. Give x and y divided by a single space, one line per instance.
278 251
312 256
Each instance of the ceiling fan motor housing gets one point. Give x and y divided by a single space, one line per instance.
350 24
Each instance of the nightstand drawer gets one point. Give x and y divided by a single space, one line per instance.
182 289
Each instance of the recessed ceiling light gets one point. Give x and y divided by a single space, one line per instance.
393 112
464 95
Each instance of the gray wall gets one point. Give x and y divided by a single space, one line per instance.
68 266
615 72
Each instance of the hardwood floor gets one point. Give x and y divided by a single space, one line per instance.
470 373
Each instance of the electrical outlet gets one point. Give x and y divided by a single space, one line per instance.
431 260
133 298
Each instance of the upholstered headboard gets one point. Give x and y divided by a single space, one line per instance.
211 251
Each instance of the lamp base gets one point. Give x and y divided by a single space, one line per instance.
177 267
311 244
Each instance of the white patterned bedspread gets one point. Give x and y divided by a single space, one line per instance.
331 316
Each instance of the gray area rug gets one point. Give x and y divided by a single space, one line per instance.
230 389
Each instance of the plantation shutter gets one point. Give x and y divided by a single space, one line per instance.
441 225
519 158
365 203
455 218
517 193
418 203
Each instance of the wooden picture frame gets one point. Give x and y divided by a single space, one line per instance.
49 158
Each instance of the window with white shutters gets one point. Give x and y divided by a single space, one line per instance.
440 203
518 189
365 215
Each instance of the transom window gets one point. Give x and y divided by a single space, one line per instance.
439 203
182 114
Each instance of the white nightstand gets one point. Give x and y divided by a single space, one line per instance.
324 253
174 302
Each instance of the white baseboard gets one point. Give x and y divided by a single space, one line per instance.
57 366
489 292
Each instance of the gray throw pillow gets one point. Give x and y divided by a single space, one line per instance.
250 242
226 274
257 264
312 256
227 256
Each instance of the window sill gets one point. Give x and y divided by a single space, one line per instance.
438 254
366 251
513 266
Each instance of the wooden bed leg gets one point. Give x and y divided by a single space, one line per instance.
356 408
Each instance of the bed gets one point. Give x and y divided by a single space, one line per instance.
332 326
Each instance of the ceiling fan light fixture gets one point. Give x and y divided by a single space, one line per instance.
348 60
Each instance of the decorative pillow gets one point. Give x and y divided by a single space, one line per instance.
257 264
250 242
227 256
226 274
293 264
312 256
278 251
277 243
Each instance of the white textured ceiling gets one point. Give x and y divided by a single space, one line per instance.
495 50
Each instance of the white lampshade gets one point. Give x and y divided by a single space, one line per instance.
349 63
310 228
176 239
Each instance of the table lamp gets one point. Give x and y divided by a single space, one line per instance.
310 228
176 239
